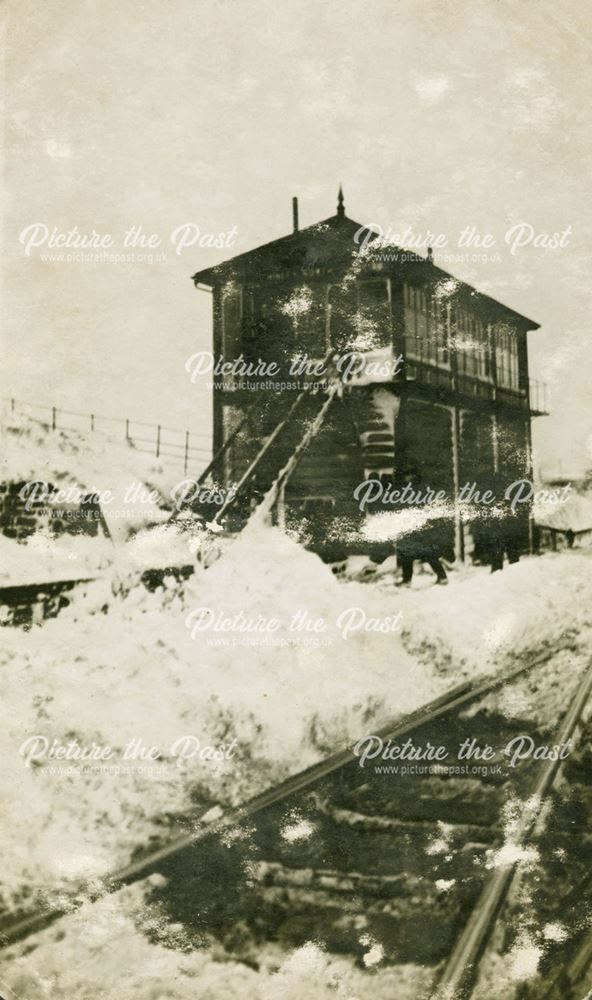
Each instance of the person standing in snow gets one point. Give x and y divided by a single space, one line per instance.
426 543
501 529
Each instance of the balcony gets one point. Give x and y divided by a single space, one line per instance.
481 390
537 395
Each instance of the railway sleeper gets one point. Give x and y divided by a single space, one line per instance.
415 927
451 800
401 851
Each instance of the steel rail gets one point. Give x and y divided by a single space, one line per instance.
563 984
579 965
459 975
458 696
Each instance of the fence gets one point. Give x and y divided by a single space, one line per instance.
169 444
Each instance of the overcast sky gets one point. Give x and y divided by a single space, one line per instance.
436 115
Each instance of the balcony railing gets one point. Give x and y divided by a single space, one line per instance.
473 387
537 395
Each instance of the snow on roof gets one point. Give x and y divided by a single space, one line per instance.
574 514
329 242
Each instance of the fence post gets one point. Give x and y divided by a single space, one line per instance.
12 405
186 452
127 430
92 421
158 441
53 418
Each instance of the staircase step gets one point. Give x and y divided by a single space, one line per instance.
377 436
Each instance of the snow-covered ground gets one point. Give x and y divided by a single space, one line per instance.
137 487
32 451
69 964
111 669
145 676
73 461
308 664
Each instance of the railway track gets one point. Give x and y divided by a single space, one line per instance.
345 854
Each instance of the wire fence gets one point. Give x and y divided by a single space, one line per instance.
172 445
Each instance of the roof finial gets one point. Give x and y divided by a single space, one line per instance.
340 206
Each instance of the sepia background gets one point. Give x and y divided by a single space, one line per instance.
435 115
160 113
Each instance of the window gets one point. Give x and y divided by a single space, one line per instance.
231 323
426 329
506 357
472 344
306 310
374 314
343 315
440 312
